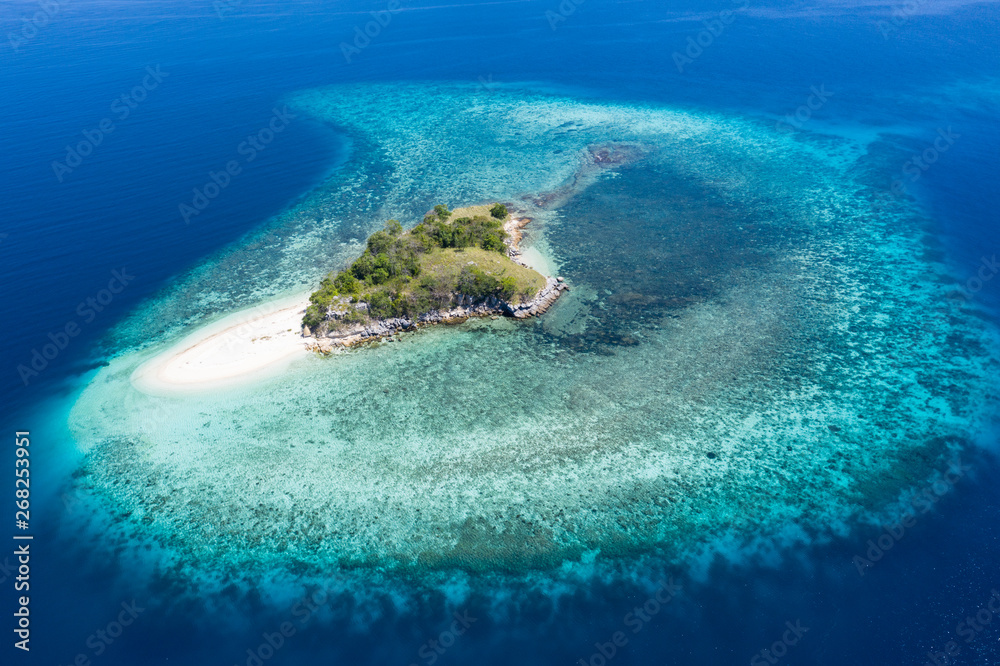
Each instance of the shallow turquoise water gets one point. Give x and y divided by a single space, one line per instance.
755 343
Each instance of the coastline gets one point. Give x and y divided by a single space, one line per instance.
258 342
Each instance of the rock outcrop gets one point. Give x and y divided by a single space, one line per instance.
348 335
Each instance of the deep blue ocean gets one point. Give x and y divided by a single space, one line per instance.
222 69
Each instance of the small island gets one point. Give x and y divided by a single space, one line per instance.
453 265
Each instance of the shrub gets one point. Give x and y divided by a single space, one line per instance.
422 237
443 235
314 316
393 228
494 242
380 304
508 286
345 283
462 234
477 231
396 258
380 242
435 291
499 211
480 285
363 266
354 316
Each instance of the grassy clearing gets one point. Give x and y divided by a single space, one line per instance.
472 212
449 263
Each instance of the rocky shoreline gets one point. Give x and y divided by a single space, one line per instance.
464 308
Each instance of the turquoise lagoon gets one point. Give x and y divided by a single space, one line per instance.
760 349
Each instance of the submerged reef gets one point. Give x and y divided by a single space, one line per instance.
756 346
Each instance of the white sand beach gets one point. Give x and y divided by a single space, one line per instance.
241 346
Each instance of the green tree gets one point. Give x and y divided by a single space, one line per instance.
380 304
480 285
314 316
363 266
393 228
494 242
346 283
379 242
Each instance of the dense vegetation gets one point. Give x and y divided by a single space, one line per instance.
409 273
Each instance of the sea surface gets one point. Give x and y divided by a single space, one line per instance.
761 427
